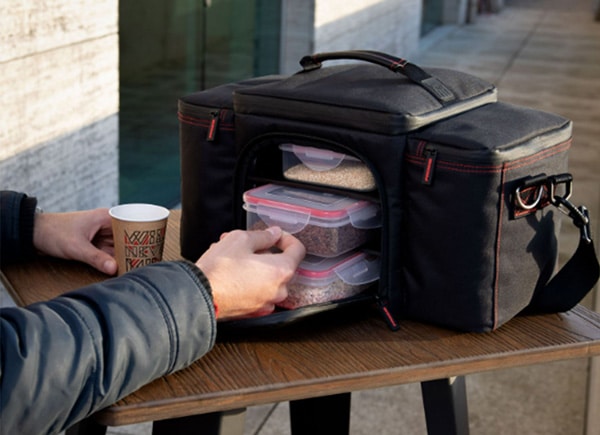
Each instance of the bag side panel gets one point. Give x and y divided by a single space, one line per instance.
208 156
449 235
527 250
206 182
469 263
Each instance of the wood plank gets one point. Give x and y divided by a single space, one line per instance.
329 354
332 356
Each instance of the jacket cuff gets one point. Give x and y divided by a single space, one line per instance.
26 224
17 215
203 280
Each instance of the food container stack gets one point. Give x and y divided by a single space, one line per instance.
327 224
318 280
333 227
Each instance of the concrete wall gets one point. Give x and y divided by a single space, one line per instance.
392 26
456 11
160 31
59 91
311 26
297 33
60 75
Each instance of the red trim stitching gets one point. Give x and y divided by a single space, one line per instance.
400 63
468 168
498 243
421 147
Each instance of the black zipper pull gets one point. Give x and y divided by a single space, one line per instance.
212 127
429 169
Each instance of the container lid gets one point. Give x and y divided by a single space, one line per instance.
297 207
355 268
316 159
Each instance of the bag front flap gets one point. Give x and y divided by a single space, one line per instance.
364 96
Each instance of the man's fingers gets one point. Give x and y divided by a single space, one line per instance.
99 259
292 247
254 241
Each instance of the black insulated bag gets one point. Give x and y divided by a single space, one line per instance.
471 191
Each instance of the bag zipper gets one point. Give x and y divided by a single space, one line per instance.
381 299
209 117
481 160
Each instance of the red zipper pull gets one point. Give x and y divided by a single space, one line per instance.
212 127
429 169
387 316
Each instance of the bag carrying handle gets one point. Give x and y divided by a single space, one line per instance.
579 275
398 65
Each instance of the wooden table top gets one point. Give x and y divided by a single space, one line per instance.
326 355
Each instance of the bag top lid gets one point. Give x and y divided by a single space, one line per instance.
220 97
366 97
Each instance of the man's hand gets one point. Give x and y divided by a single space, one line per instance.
82 235
246 277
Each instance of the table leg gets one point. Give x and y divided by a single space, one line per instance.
87 426
445 403
215 423
329 415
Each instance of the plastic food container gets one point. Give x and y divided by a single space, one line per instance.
326 168
319 280
327 224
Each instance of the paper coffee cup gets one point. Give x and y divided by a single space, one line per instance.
139 234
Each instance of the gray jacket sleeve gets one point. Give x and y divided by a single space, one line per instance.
64 359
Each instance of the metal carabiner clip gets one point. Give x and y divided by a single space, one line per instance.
580 216
553 181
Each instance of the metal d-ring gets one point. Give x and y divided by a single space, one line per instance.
534 204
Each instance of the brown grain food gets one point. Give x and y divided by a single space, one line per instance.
349 174
326 241
300 295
